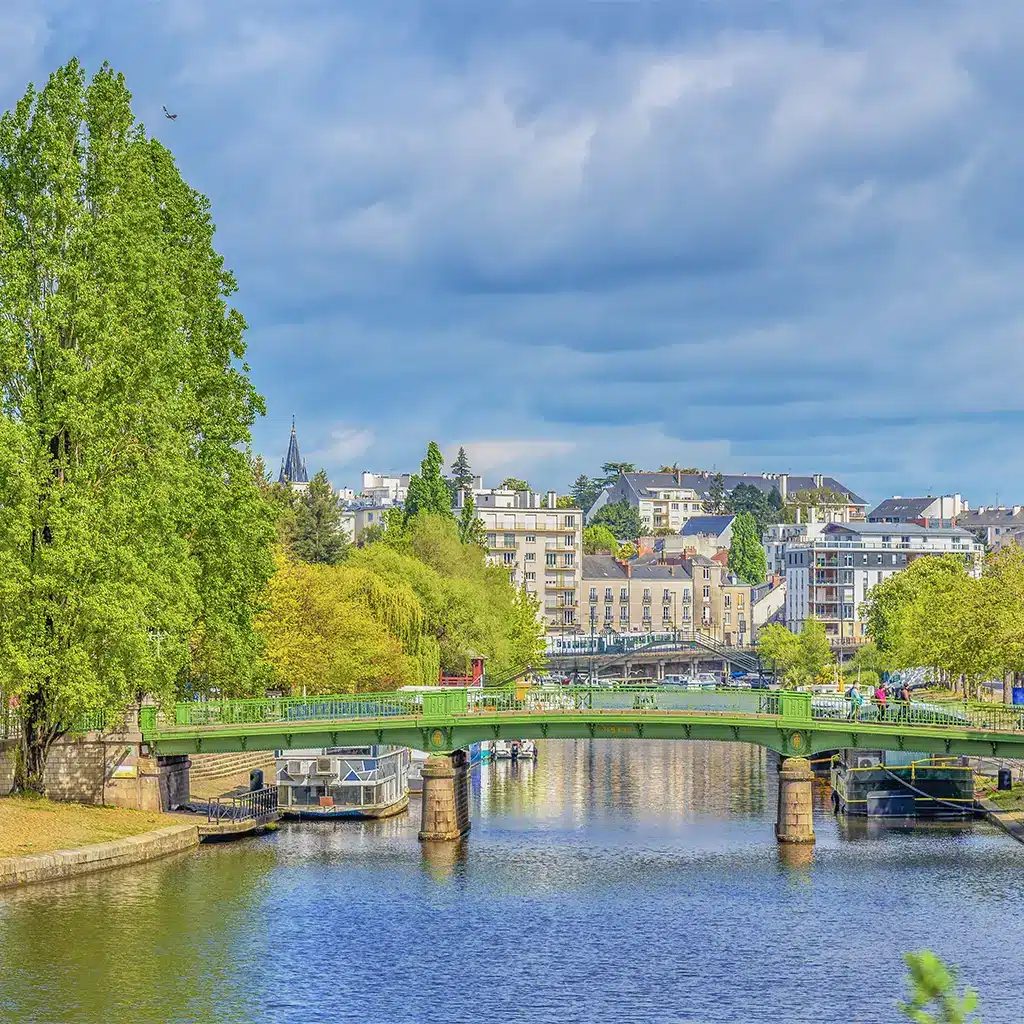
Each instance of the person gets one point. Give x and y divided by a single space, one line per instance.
880 699
904 696
856 699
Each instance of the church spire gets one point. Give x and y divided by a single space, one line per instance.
293 471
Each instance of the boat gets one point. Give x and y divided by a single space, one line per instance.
342 782
478 753
515 750
901 784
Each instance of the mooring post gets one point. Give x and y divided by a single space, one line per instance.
445 814
794 821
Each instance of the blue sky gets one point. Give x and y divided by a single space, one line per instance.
743 234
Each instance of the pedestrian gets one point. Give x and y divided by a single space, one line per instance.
904 696
856 698
880 698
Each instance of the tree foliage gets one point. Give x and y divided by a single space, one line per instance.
317 535
746 555
675 468
934 998
599 540
584 492
621 518
134 538
612 470
765 508
428 491
513 483
717 503
822 499
471 527
798 659
461 473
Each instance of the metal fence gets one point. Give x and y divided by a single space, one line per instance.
257 803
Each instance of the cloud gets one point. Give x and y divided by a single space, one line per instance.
346 444
489 456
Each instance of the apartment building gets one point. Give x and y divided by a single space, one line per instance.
943 510
705 535
542 549
630 597
996 525
670 499
780 537
829 576
721 601
385 489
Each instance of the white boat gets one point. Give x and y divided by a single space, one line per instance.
515 750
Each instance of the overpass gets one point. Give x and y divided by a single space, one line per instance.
444 722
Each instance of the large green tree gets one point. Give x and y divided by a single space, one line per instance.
318 536
599 540
513 483
612 470
746 553
471 527
584 491
718 498
134 538
428 491
621 518
461 473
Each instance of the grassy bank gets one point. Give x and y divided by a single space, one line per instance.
35 825
1005 799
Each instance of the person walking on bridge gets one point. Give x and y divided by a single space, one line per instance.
904 696
880 698
856 699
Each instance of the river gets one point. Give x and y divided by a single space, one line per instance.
618 881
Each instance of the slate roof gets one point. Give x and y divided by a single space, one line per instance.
897 529
293 468
604 567
644 483
906 508
713 525
990 517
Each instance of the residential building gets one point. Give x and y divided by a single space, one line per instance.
721 602
768 604
994 525
829 576
778 538
293 466
635 596
706 535
542 548
367 515
385 489
928 511
670 499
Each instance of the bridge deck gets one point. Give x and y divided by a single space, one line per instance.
792 723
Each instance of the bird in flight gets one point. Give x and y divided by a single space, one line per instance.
169 115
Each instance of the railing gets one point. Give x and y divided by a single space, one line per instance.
970 714
257 803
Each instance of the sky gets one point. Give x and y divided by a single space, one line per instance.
744 235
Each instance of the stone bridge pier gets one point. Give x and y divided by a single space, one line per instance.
445 814
794 822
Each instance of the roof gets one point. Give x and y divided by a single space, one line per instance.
991 517
909 508
889 529
643 483
598 567
713 525
293 468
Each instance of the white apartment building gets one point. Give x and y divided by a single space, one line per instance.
542 548
384 489
780 537
829 576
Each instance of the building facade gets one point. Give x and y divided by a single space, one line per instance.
670 499
829 576
928 511
994 525
385 489
633 597
542 549
778 539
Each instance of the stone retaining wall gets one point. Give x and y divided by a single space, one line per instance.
219 766
49 867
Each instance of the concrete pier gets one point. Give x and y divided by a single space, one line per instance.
794 821
445 814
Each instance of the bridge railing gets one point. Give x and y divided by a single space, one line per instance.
258 803
969 714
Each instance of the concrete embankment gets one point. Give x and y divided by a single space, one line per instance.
1009 821
61 864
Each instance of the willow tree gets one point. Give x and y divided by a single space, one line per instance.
133 538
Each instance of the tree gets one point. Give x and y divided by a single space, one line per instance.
599 540
428 491
933 986
626 551
780 647
621 518
664 531
513 483
584 491
318 536
674 468
718 500
822 499
461 474
765 508
796 659
816 656
134 540
612 470
471 528
746 555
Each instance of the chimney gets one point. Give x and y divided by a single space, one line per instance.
812 515
784 488
798 515
462 497
552 499
819 480
679 478
629 569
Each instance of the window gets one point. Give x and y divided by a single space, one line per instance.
607 613
569 558
878 559
739 602
887 540
847 611
530 577
510 558
728 600
707 593
570 521
568 542
647 612
686 613
647 593
510 540
492 540
906 540
666 594
707 572
607 593
568 616
512 578
666 614
551 558
531 538
624 614
593 616
728 618
893 557
624 594
848 559
675 506
593 593
369 518
530 556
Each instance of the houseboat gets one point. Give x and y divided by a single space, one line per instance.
901 784
478 753
343 782
515 750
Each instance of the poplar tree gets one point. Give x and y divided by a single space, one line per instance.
428 491
746 554
133 537
471 528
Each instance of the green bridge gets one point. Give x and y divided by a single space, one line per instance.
792 723
446 721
